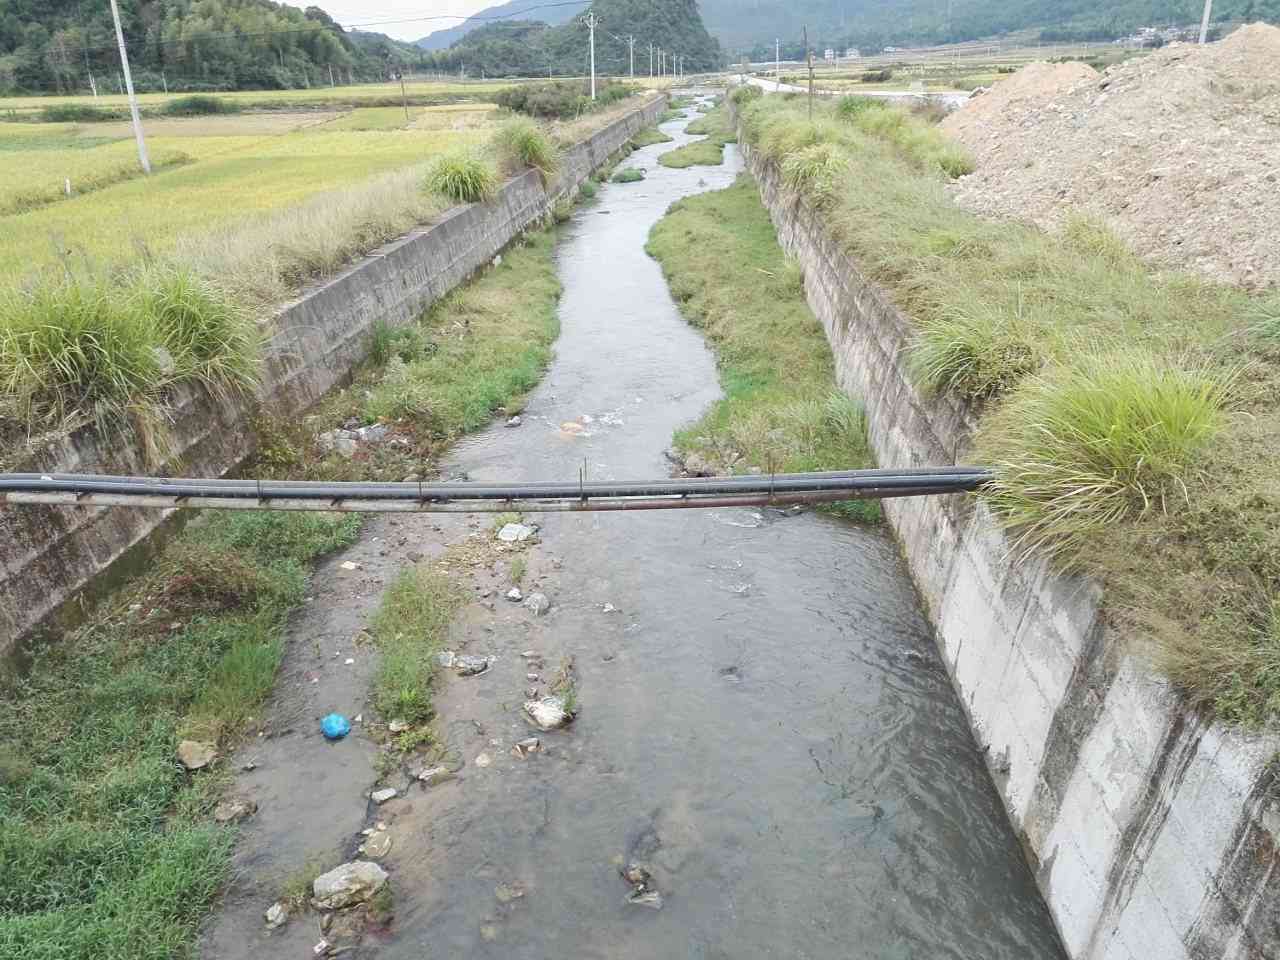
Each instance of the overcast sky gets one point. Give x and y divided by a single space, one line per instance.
402 19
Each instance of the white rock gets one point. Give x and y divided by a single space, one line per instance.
433 776
538 603
514 595
515 421
353 882
398 726
348 565
515 533
483 760
383 795
548 713
276 916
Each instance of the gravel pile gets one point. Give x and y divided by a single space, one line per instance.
1179 152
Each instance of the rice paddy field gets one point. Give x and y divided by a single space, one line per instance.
211 171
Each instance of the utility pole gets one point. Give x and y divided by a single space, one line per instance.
331 83
777 64
808 57
133 101
631 42
590 21
404 97
1204 22
164 82
650 59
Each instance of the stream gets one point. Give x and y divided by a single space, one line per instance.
764 721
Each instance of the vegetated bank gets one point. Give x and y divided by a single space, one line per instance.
109 845
782 410
1129 414
716 129
113 849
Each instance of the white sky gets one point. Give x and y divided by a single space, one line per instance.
402 19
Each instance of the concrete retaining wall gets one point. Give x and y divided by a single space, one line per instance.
1153 835
50 555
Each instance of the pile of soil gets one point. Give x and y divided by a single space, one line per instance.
1179 152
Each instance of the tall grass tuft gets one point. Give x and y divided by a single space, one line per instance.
463 177
815 171
847 108
522 144
1106 439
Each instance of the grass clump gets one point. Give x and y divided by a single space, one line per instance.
463 177
781 409
627 175
815 171
409 629
199 105
80 113
1105 439
73 348
716 129
852 107
521 144
106 837
562 99
649 136
588 188
744 94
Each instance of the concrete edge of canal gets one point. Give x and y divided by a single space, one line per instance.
54 557
1151 832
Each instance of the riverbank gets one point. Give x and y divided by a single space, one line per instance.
1149 827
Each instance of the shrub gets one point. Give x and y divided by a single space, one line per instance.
561 99
877 76
198 105
587 189
849 107
745 94
80 113
521 144
463 178
628 175
1102 440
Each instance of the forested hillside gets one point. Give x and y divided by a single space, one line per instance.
742 25
512 10
524 48
54 45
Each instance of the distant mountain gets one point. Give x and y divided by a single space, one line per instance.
744 25
512 10
506 48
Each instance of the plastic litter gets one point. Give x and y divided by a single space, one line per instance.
335 726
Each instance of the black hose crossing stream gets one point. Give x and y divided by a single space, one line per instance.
95 490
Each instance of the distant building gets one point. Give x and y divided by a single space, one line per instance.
852 54
829 55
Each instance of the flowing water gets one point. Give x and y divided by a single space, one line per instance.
765 720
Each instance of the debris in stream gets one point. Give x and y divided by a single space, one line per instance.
506 892
445 658
643 891
335 726
467 665
344 930
525 747
277 915
549 713
515 421
377 845
398 726
196 754
515 595
516 532
538 603
350 883
382 796
234 809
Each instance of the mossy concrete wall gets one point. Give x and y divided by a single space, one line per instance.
51 557
1153 834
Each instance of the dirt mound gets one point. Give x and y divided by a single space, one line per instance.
1179 152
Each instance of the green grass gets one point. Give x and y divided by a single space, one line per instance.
521 144
649 136
463 178
106 842
1103 389
111 350
409 629
587 189
627 175
197 105
717 130
782 409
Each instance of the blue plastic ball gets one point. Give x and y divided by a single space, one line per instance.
335 726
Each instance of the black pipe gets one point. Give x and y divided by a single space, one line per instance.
939 480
